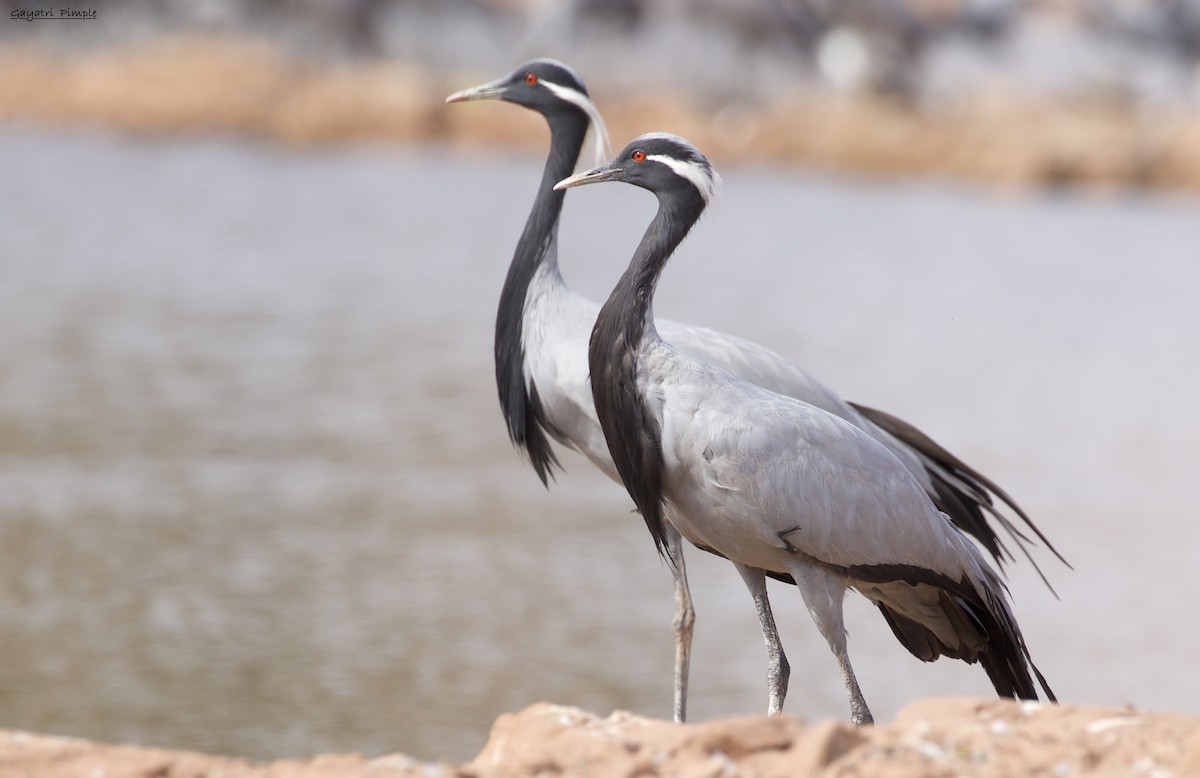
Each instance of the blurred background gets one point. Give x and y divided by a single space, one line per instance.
256 496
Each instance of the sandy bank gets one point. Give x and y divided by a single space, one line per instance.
197 85
929 738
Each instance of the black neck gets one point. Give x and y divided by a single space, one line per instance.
527 425
633 435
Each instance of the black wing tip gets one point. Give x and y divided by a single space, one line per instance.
1007 660
989 637
1012 675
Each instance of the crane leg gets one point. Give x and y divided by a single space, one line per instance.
823 592
778 670
681 624
860 714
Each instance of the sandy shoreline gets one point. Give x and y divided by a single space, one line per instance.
196 85
935 737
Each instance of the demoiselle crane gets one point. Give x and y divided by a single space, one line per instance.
542 330
775 484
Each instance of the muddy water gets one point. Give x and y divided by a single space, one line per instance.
256 497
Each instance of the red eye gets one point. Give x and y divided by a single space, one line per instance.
638 156
531 78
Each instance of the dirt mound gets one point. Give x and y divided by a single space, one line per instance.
951 737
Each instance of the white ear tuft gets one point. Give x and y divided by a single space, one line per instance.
700 174
601 150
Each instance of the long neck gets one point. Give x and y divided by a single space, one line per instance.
527 425
534 247
625 322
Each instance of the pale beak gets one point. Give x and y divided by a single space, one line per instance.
492 90
596 175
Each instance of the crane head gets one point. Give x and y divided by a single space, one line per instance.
548 87
660 162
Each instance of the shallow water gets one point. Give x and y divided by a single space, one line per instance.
256 496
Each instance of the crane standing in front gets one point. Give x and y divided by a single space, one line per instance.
542 330
775 484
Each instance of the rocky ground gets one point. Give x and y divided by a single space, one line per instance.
179 85
949 737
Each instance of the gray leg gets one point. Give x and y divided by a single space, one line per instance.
778 670
860 714
823 592
685 617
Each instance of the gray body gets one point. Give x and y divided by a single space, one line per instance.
776 484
